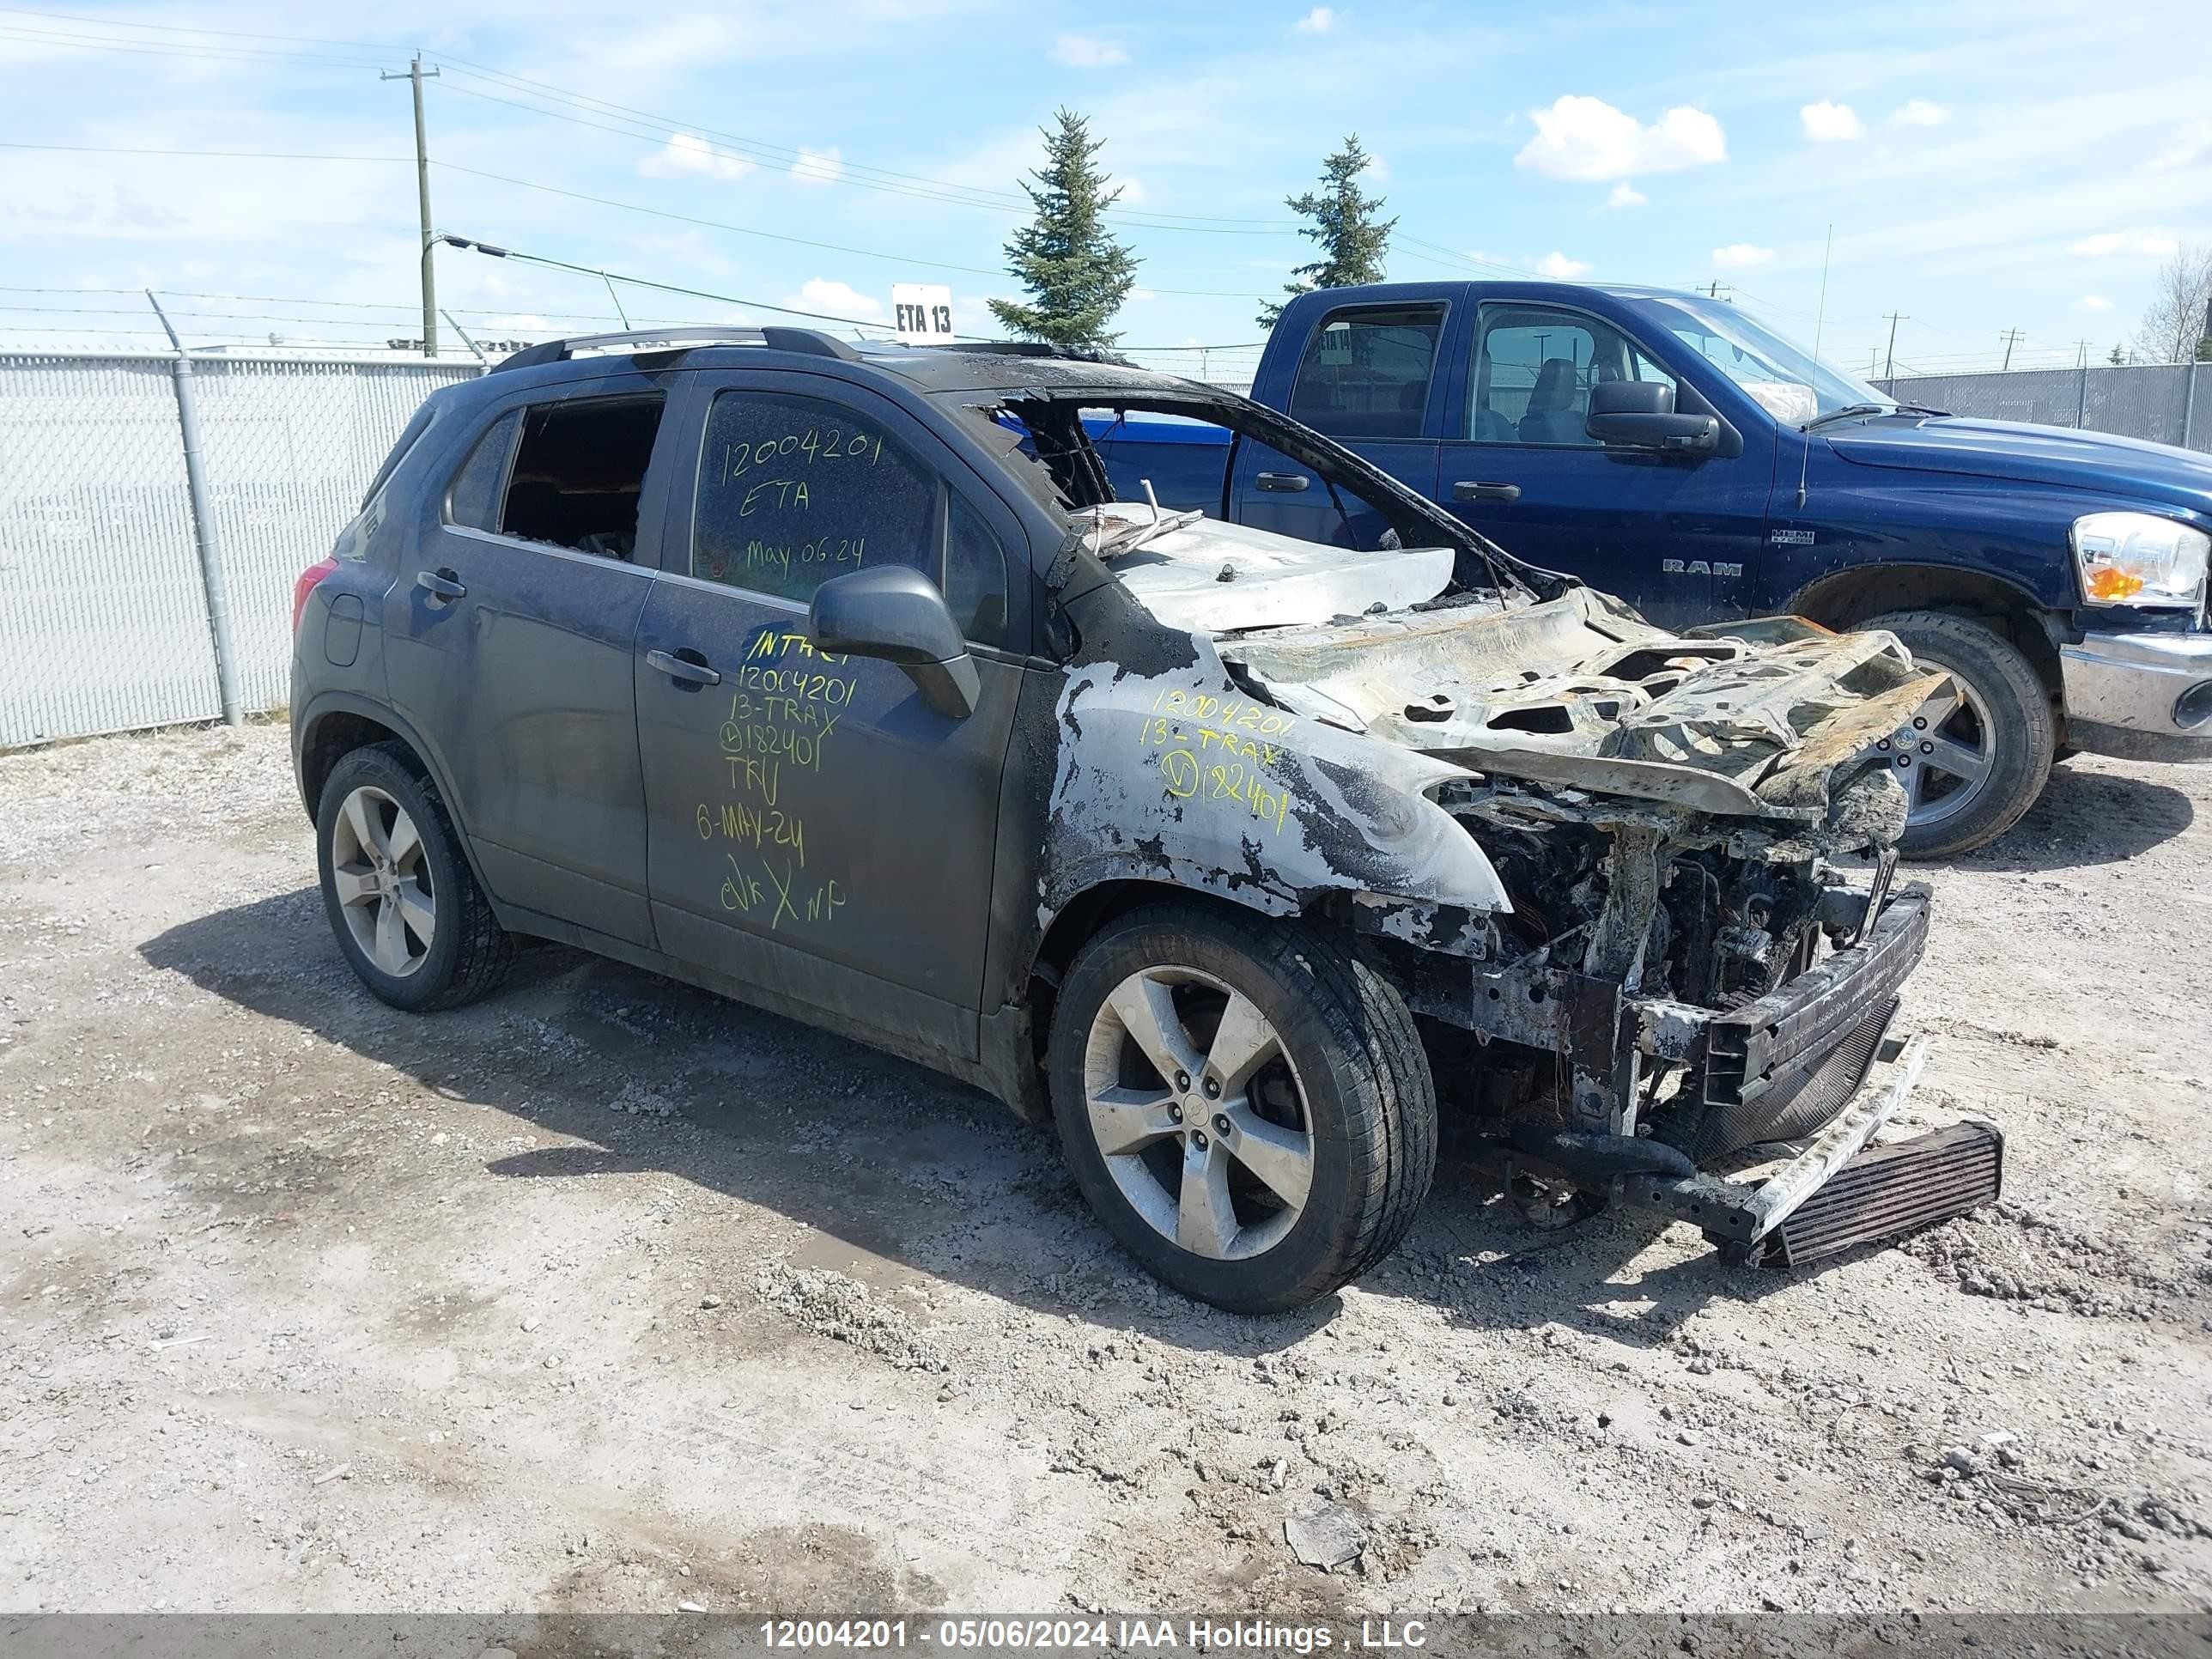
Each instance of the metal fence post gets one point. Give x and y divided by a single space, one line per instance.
204 534
2189 403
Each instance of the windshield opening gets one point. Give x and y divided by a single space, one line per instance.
1783 379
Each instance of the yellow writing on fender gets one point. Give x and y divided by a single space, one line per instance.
1184 777
1158 732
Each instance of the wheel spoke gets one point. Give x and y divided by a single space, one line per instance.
1206 1225
1912 780
361 814
1959 760
1147 1012
389 951
405 839
1283 1158
417 911
1944 704
1242 1043
1127 1120
353 886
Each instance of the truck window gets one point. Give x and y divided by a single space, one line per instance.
1366 370
576 472
1534 369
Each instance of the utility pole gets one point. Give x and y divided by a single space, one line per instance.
1889 366
415 72
2011 337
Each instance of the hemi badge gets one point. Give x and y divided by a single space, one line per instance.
1791 537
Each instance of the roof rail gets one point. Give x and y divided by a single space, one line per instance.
1030 349
807 341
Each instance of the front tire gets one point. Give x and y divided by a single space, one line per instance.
404 903
1980 763
1245 1104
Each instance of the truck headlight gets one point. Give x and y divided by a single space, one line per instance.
2136 558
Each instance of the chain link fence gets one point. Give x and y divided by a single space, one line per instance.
2163 403
103 610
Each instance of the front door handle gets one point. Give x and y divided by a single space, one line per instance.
441 584
1467 490
1289 482
685 667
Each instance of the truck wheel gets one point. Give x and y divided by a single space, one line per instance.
1245 1105
402 899
1979 763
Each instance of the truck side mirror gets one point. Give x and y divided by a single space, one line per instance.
898 615
1640 415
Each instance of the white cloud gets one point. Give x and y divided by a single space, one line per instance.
1919 113
1828 123
1740 256
1560 268
836 300
1320 21
818 167
687 153
1587 138
2191 144
2093 302
1625 195
1088 51
2146 244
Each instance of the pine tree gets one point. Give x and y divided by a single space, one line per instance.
1352 239
1077 274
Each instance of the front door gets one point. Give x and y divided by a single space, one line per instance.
814 829
510 634
1674 536
1367 379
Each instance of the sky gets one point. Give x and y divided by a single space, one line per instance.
1976 168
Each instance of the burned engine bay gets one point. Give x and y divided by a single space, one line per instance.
1599 859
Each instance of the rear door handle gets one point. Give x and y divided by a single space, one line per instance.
445 584
1289 482
686 668
1467 490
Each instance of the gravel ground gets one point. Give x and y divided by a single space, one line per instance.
604 1295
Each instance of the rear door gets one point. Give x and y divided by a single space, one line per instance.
815 829
1672 536
511 632
1369 378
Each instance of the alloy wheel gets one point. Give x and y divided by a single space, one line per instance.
382 877
1199 1113
1944 755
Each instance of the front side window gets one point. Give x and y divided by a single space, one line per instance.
1366 371
1534 369
574 478
794 491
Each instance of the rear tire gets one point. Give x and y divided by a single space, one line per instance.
1304 1167
2003 726
402 900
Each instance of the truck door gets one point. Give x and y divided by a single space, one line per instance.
1672 536
1368 378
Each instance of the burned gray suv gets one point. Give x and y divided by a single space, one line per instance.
839 682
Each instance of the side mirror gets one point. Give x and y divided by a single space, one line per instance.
1640 415
898 615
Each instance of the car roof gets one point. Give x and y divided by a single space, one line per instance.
1009 366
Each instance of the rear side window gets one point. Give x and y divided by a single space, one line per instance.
1366 371
576 473
794 491
481 484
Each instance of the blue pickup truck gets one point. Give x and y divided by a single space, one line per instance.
1667 448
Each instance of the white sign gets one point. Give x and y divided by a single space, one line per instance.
923 312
